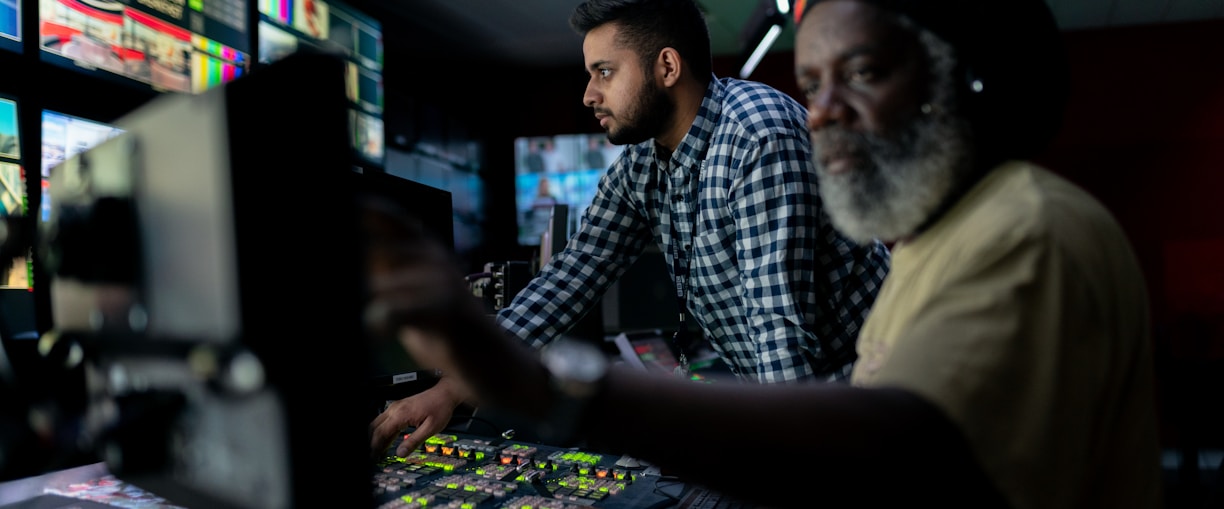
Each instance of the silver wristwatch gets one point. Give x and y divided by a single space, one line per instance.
576 371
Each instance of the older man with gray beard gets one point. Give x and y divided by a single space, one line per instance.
1015 305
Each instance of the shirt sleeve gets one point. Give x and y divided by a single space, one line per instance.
806 289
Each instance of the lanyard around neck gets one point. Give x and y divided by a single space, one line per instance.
682 265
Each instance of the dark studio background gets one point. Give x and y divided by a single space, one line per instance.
1144 133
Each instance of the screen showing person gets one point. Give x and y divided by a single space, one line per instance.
560 169
167 46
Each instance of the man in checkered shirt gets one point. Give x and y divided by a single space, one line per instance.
718 174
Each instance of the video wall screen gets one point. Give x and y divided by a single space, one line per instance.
557 169
64 136
185 46
286 26
10 25
13 197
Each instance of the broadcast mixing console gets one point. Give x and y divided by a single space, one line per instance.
471 472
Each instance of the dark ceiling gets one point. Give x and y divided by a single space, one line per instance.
536 32
520 32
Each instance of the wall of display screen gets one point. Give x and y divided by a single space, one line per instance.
286 26
79 65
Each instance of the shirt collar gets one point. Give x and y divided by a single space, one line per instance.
693 146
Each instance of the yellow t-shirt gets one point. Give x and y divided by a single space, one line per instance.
1023 315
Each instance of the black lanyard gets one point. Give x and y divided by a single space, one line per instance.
682 265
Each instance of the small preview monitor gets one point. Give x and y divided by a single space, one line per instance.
367 136
14 202
10 25
311 18
10 139
365 88
275 43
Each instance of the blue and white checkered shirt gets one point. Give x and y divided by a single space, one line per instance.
778 292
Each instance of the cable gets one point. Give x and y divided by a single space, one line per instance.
668 481
479 275
467 423
8 377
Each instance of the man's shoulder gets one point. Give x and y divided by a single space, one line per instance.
748 94
1039 192
760 106
1023 203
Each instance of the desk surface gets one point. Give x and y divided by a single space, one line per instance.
85 486
23 489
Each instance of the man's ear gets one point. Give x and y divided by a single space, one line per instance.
668 67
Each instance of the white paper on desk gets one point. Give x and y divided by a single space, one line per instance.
627 352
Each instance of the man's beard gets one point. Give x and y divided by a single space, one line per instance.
646 118
899 181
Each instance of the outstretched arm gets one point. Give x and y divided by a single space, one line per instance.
772 444
831 442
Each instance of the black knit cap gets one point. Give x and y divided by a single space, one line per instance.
1013 51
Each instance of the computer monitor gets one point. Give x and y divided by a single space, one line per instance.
459 173
431 205
393 374
237 325
556 232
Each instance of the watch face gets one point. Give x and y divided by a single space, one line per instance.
576 371
575 361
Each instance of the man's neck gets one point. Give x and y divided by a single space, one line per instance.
688 102
662 152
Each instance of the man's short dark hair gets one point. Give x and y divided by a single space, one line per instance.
648 26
